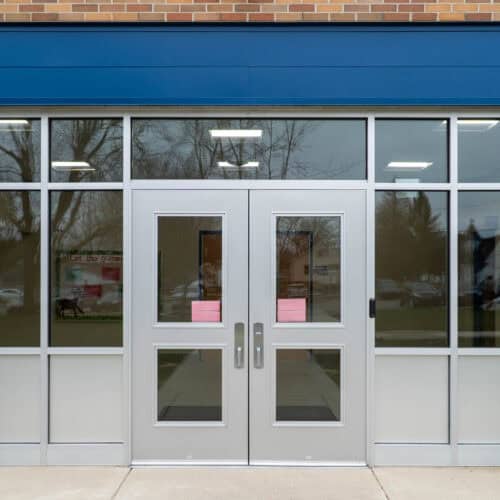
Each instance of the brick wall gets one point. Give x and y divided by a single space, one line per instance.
249 10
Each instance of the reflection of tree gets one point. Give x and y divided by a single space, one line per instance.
20 152
19 240
98 142
184 149
411 239
86 220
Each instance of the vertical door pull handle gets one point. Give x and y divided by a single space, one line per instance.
258 345
239 345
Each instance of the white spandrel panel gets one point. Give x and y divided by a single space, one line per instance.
411 399
20 399
86 399
478 399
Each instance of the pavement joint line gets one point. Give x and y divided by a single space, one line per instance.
372 469
122 482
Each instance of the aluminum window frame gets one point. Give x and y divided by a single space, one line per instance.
450 454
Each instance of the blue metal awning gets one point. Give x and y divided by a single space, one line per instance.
352 65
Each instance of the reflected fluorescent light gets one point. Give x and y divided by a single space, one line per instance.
80 166
239 133
248 164
411 165
14 122
477 125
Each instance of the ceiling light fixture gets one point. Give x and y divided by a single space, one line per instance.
14 122
411 165
248 164
80 166
477 125
239 133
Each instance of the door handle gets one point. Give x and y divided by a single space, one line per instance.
258 345
239 345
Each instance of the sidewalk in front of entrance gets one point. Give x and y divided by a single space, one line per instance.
252 483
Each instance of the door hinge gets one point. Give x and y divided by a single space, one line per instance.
373 308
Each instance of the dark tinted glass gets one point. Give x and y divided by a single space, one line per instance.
19 150
479 269
86 268
478 150
308 269
190 269
86 150
308 385
189 385
411 150
19 269
269 149
411 269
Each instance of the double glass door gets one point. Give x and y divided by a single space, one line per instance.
249 326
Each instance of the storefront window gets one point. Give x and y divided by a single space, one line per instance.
86 268
248 149
478 150
86 150
411 269
19 150
479 269
411 150
19 269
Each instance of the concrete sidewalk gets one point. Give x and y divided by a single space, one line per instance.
274 483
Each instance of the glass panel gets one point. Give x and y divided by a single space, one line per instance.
19 150
411 151
308 269
411 269
308 385
86 150
19 269
479 269
248 149
189 385
478 150
190 269
86 268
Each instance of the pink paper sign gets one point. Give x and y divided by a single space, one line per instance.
291 310
205 311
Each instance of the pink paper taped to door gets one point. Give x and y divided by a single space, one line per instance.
291 310
205 311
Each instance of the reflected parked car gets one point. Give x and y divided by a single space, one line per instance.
388 289
11 298
418 293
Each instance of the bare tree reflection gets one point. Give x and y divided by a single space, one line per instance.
95 141
20 152
19 268
288 149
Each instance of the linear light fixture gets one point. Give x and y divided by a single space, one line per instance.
236 133
14 122
410 165
248 164
80 166
477 125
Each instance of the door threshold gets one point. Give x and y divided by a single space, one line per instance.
138 464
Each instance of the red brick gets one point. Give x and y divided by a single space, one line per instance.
301 7
179 17
44 18
81 7
139 8
261 17
484 16
383 8
31 8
